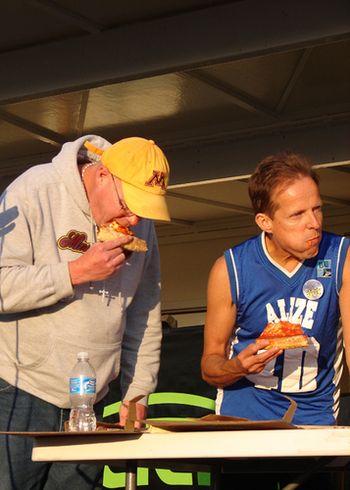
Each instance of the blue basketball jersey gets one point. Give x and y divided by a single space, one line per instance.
265 292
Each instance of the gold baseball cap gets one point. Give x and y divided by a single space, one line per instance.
143 171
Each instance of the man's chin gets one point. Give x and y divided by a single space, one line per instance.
311 253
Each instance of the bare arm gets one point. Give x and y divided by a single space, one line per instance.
344 303
217 369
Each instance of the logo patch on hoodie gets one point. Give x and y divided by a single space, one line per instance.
74 240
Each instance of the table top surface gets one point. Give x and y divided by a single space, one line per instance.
300 442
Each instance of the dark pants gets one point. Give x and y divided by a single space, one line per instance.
20 411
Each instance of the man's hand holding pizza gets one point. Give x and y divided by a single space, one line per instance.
99 262
224 372
251 361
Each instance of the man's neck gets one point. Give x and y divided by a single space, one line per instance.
282 257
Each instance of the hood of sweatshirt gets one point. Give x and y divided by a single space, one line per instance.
65 163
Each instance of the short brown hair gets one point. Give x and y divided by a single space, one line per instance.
273 171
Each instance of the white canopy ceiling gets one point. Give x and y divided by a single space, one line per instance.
218 85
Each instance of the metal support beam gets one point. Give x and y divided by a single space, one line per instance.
82 112
233 157
67 15
211 202
336 201
241 100
229 158
42 133
293 79
176 43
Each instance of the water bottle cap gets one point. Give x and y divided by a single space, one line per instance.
83 356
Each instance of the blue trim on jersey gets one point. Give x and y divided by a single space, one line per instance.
267 293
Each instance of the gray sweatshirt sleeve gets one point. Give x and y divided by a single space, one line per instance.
25 282
143 333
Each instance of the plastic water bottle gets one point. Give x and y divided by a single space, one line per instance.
82 389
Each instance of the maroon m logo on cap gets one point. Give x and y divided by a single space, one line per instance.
157 180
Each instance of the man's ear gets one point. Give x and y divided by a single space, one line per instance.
264 222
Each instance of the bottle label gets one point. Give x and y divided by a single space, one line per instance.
82 386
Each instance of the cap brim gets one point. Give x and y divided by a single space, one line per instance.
145 204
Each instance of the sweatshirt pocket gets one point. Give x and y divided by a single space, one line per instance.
51 373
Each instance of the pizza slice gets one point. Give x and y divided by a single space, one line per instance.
113 230
284 335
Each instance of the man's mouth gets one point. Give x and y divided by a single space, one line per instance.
313 241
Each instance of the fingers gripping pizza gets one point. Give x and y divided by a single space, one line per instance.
284 335
113 230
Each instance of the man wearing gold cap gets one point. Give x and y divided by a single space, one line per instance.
62 291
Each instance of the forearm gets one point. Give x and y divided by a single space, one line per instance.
143 333
25 288
141 355
220 371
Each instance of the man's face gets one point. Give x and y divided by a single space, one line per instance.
108 201
296 226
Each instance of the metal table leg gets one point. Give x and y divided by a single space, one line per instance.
131 473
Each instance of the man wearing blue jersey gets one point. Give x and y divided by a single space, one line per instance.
293 271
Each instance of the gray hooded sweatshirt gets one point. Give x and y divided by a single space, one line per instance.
45 222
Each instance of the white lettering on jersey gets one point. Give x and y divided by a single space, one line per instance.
296 315
308 321
271 315
300 311
282 307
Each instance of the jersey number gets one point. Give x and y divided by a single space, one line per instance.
299 370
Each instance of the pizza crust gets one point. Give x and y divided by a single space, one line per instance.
107 232
294 342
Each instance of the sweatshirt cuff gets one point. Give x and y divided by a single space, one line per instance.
61 280
131 394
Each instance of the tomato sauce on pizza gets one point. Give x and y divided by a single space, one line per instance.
284 335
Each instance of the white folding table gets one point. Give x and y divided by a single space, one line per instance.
191 447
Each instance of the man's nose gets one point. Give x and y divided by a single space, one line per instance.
134 219
314 220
